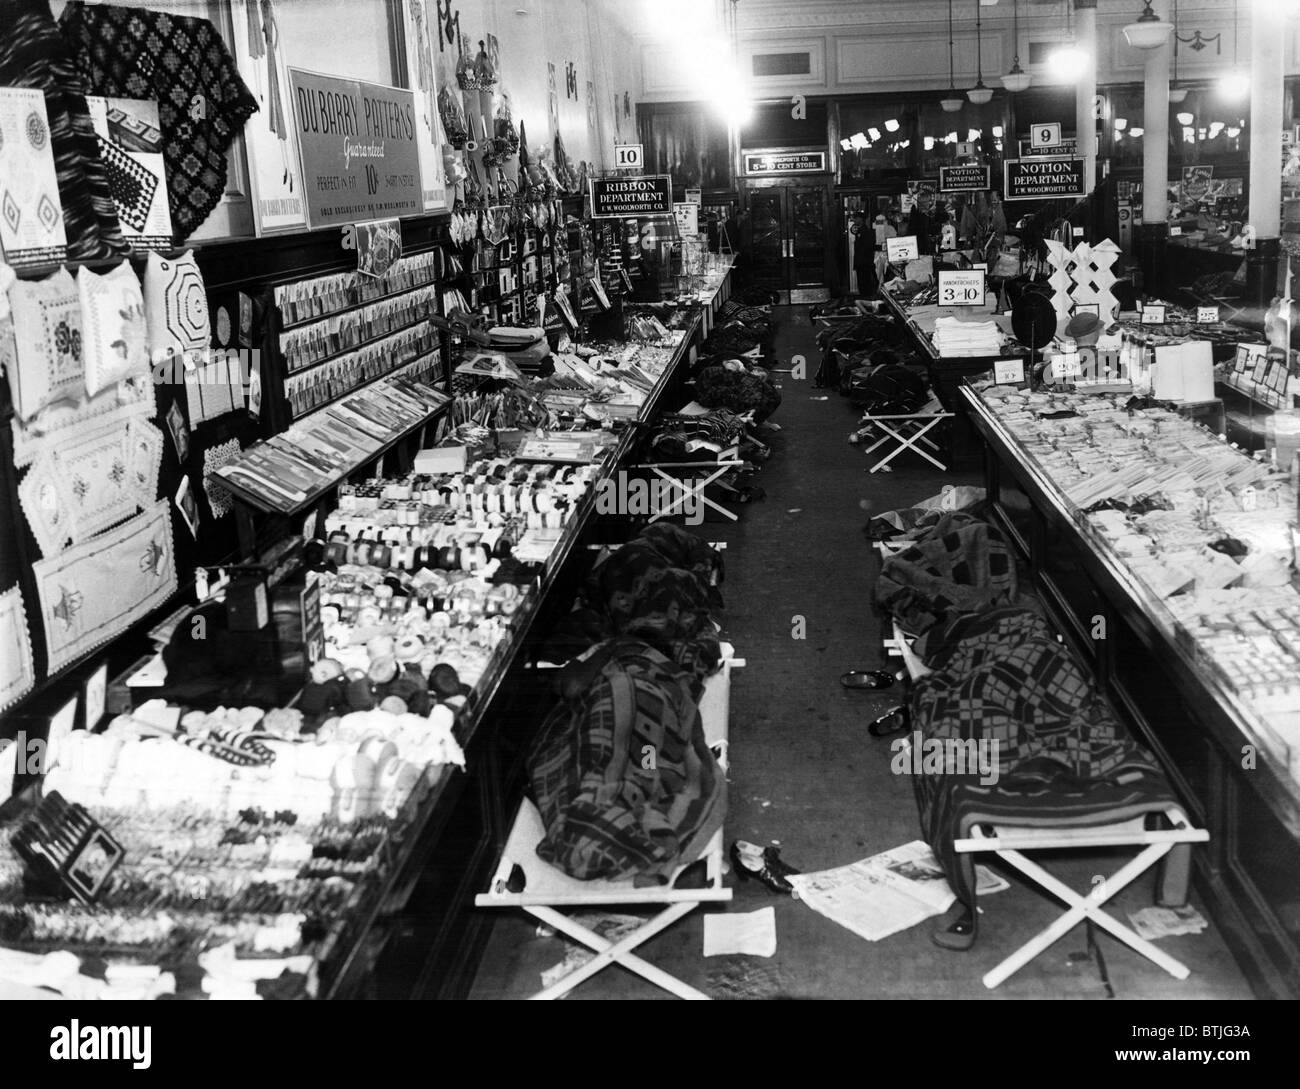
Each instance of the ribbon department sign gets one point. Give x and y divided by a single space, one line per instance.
631 197
1043 179
360 158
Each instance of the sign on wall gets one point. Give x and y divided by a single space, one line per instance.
964 179
1068 146
358 144
629 156
631 197
1045 134
1043 179
772 163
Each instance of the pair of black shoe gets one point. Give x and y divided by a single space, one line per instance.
765 867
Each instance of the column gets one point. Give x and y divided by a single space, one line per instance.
1085 121
1155 161
1268 39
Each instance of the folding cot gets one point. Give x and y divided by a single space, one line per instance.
547 890
1008 825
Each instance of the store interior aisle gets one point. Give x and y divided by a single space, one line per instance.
806 774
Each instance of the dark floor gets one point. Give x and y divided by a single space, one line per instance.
806 774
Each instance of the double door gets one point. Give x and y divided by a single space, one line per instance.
788 238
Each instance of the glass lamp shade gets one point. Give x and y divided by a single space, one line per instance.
1177 94
1148 33
1017 80
979 94
951 105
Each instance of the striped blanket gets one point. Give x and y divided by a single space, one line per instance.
1061 755
621 774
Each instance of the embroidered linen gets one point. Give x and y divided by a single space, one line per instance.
129 400
98 477
175 306
16 673
112 319
94 591
34 54
47 332
137 53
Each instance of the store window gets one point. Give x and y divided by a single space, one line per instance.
1207 128
875 139
689 145
941 134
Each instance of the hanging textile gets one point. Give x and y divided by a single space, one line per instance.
183 64
33 54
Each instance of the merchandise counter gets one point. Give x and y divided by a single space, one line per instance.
408 908
1192 671
947 372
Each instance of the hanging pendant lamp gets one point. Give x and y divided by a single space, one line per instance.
953 102
1017 79
979 94
1149 32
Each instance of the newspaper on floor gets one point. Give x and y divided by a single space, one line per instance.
1152 923
881 895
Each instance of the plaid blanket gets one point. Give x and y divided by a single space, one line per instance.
623 779
957 564
1060 754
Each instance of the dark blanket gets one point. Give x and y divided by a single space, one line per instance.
1059 754
621 774
959 565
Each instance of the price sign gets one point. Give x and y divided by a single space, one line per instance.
688 217
1045 135
629 156
1153 314
695 196
902 249
1066 365
1175 232
1009 372
961 287
1207 315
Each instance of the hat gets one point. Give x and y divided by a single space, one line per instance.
1084 329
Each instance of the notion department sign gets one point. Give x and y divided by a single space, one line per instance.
360 159
774 163
965 178
626 198
1043 179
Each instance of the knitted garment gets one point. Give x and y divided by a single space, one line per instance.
33 54
182 63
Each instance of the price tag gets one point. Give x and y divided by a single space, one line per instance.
1066 365
1207 315
961 287
1249 498
1175 232
902 249
1009 372
1153 314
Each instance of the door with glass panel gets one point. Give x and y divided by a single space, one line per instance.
787 238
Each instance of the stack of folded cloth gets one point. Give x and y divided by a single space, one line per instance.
954 337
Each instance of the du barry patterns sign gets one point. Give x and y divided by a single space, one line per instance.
360 160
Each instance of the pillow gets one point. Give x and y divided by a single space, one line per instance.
112 318
175 306
48 343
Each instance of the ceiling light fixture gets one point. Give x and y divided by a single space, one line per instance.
1185 118
1236 84
979 94
1017 79
953 102
891 125
1149 32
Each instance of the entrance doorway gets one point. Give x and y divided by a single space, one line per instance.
788 238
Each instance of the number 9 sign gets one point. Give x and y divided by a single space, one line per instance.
1046 135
